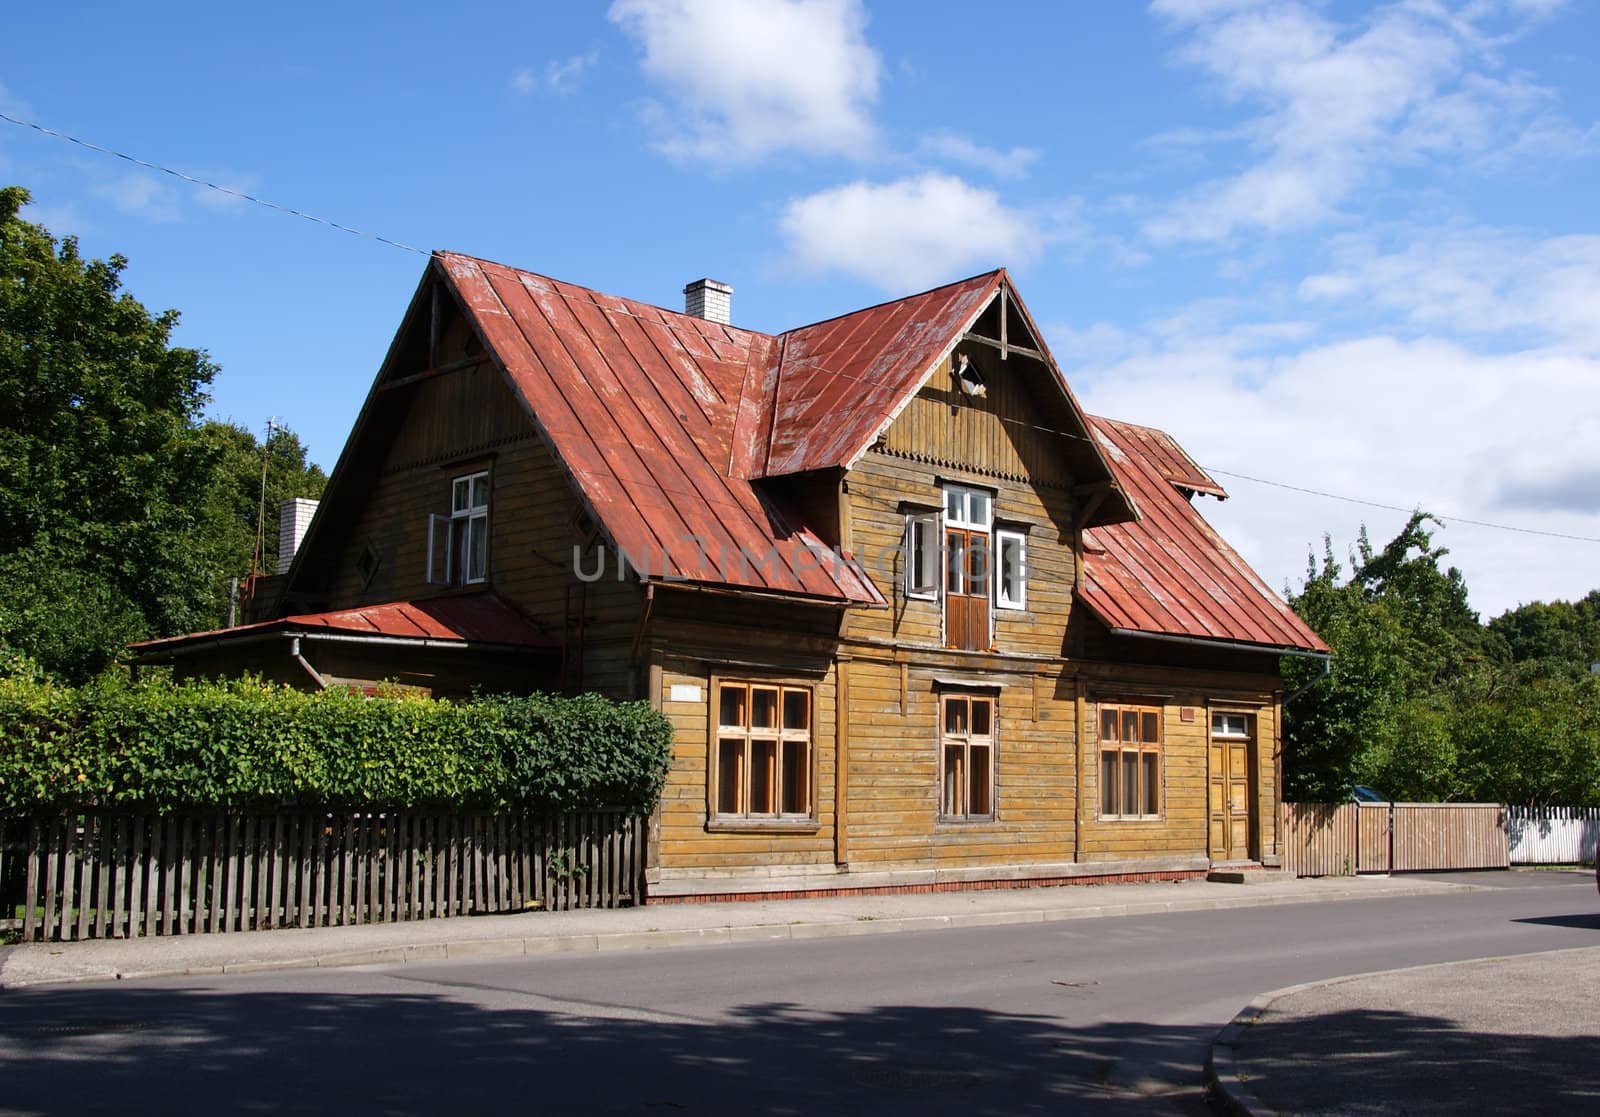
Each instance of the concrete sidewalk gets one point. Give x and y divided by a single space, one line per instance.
661 926
1496 1035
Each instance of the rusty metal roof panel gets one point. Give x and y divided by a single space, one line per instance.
841 380
475 618
1170 573
641 406
1172 461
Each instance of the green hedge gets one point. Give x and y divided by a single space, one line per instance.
248 744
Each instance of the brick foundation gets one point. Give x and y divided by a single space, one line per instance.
912 889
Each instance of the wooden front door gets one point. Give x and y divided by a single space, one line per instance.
1232 806
966 589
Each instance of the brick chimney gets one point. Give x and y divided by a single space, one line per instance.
294 516
709 299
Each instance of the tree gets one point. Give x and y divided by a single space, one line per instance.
119 506
1404 640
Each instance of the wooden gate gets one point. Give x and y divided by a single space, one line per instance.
120 875
1324 839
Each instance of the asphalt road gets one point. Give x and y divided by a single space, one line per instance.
1112 1014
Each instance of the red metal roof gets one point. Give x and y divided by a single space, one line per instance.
479 618
1162 452
1170 573
841 381
640 406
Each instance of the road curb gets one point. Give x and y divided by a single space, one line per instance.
440 950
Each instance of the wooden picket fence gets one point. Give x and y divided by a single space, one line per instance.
121 875
1342 839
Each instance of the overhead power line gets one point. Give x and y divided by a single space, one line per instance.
228 190
313 218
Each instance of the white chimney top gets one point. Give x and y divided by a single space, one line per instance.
294 516
709 299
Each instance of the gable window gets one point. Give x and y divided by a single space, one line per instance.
763 758
458 544
968 566
1011 570
966 756
1130 761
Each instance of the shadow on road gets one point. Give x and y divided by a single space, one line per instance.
136 1050
1586 921
1385 1061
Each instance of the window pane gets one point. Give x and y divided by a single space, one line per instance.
920 560
460 495
1152 784
764 707
978 508
955 717
955 504
1152 729
1130 783
978 565
954 542
477 548
978 781
796 709
796 777
952 780
763 777
1108 725
733 707
1108 782
480 491
1130 725
982 722
1011 569
730 775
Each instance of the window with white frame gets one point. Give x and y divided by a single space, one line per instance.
966 756
922 555
763 758
968 567
1011 570
458 544
1236 726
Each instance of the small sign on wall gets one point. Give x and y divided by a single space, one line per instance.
1186 713
683 692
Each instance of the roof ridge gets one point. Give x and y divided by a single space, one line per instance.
891 302
571 286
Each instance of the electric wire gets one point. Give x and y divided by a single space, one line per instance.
613 308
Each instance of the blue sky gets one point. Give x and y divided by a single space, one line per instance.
1347 247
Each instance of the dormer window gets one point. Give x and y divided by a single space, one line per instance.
458 544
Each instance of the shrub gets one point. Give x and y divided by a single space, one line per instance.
244 743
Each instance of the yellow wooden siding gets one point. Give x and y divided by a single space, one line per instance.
878 486
894 777
686 843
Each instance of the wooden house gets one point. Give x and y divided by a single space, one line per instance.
918 620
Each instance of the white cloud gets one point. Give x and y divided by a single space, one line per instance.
908 234
560 77
1504 437
954 147
745 78
1335 103
141 195
1475 281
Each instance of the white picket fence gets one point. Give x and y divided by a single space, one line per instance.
1552 835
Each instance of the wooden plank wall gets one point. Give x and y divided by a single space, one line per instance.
119 875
